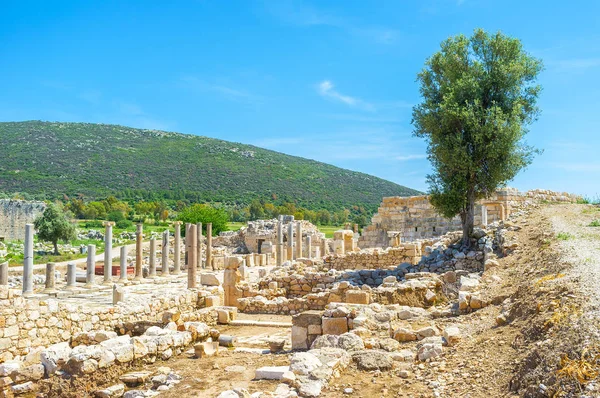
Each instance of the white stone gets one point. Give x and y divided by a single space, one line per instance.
271 372
302 363
55 356
209 279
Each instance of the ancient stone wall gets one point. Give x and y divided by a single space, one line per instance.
30 323
404 253
14 214
406 219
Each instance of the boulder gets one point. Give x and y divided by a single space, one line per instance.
303 363
404 334
350 342
372 360
452 335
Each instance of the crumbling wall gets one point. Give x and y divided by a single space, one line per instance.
30 323
14 214
410 218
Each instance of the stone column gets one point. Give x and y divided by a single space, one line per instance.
123 264
108 252
209 246
90 266
290 241
165 254
199 245
177 248
28 261
152 259
324 248
4 273
139 237
279 242
308 244
186 256
50 278
484 215
71 276
191 246
502 213
299 239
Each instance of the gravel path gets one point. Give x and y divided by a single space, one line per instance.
580 246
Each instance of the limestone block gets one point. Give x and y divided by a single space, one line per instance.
335 326
357 297
223 316
271 372
55 356
452 335
121 347
299 338
212 301
116 390
206 349
404 334
209 279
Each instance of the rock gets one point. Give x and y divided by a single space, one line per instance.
276 345
302 363
501 320
403 356
335 326
299 338
452 335
350 342
134 394
468 284
390 279
372 360
463 300
489 264
209 279
389 344
24 388
404 334
206 349
116 390
426 332
10 368
428 351
357 297
476 302
326 340
271 372
121 347
135 378
348 390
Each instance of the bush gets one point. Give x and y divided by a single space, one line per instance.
93 224
115 216
124 224
205 214
595 223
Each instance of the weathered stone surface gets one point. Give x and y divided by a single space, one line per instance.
335 326
206 349
299 338
209 279
302 363
404 334
452 335
271 372
134 378
429 350
326 340
350 342
372 360
357 297
116 390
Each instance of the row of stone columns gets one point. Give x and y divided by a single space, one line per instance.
194 261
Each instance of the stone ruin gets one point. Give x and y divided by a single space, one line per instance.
14 214
406 219
378 308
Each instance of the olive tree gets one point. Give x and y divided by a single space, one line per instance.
53 225
479 95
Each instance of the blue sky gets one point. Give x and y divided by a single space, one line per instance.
328 80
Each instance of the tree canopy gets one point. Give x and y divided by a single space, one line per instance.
53 225
205 214
478 95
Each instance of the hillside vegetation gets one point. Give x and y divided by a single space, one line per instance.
48 160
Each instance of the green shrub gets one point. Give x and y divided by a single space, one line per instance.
115 216
124 224
595 223
93 224
205 214
564 236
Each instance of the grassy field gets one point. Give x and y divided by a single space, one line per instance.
328 230
235 226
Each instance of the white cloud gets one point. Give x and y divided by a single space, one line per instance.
411 157
327 89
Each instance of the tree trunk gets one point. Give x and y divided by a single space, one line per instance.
56 253
468 218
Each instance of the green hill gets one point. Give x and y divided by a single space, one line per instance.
48 160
